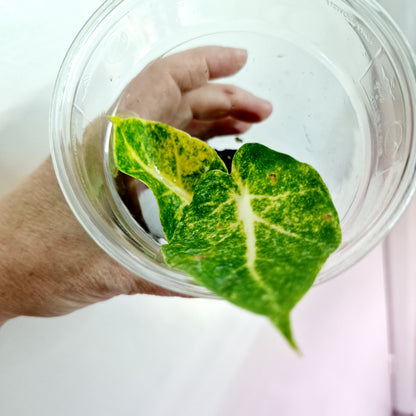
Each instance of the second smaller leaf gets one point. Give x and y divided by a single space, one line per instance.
169 161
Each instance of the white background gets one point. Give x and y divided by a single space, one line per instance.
168 357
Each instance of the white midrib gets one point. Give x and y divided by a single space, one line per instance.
185 196
247 217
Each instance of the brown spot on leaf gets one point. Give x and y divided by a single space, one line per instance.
273 178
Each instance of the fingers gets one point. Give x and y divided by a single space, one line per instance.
204 130
193 68
216 101
176 90
219 109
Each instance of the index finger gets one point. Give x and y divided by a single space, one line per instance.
194 67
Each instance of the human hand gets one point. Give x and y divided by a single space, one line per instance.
48 264
177 90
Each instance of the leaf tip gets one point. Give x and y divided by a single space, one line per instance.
114 119
282 322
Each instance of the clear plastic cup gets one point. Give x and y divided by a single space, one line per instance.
341 79
339 75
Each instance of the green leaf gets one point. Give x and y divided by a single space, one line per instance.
259 236
167 160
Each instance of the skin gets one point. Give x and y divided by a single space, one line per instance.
49 266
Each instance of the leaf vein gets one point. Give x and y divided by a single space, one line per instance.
186 196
